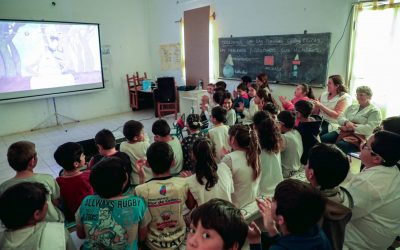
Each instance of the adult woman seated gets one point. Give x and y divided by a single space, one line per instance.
357 123
332 103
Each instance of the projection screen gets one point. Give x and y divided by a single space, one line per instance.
46 59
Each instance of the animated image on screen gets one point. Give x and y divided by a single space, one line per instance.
42 58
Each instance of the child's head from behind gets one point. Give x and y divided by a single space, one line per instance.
160 129
104 140
21 155
193 121
243 137
327 166
227 101
206 165
271 109
303 108
218 115
297 206
259 116
217 224
133 131
108 177
160 157
23 204
246 80
218 96
286 120
269 135
221 84
70 156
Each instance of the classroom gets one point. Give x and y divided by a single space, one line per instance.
325 49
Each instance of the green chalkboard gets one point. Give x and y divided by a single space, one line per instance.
284 58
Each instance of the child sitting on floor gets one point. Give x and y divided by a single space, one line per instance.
218 225
219 133
161 131
22 157
165 196
211 180
110 219
231 114
74 184
193 124
22 211
135 146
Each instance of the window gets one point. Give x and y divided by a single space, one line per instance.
376 54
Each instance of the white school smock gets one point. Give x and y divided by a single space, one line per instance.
375 222
291 154
246 188
222 190
271 172
219 136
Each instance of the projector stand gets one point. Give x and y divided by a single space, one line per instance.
57 116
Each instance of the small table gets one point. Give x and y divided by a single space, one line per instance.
190 99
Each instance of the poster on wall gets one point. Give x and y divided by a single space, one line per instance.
170 56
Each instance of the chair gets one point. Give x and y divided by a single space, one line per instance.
165 97
134 86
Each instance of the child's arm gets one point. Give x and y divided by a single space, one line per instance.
265 210
80 231
190 201
140 165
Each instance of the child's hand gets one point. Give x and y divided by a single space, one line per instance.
185 174
282 99
224 151
265 210
254 233
140 165
241 107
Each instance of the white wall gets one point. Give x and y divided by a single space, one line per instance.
252 18
123 26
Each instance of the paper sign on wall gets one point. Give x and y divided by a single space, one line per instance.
170 56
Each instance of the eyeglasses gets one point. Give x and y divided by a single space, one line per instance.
366 147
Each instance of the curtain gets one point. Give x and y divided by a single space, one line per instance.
375 55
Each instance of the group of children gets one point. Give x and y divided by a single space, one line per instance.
173 194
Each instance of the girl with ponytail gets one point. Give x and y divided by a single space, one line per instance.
244 163
211 180
193 124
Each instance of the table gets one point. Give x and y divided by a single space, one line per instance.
190 99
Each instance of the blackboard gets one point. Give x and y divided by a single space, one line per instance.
300 58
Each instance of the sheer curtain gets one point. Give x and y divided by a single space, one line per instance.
375 58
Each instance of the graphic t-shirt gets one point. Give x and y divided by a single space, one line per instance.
165 198
112 224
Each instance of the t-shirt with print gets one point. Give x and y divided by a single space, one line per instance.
187 144
165 197
178 155
112 224
53 213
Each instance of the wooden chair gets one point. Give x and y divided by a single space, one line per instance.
134 86
165 97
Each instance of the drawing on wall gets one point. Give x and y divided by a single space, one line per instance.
228 70
170 56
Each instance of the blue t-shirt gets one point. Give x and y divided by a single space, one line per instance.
112 224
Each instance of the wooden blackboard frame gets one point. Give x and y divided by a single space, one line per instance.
287 59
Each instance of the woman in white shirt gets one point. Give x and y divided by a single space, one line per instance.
244 163
211 180
270 157
358 122
332 103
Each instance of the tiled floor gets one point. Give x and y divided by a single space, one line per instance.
48 139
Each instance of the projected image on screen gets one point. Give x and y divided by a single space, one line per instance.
40 56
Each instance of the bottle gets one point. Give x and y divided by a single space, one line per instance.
200 85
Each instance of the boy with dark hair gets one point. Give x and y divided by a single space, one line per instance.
242 100
165 195
22 158
110 219
161 131
246 80
292 145
135 147
327 168
219 133
105 143
376 193
223 223
218 97
74 184
22 211
307 126
295 210
221 84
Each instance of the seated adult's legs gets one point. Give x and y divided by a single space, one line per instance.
330 137
347 147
